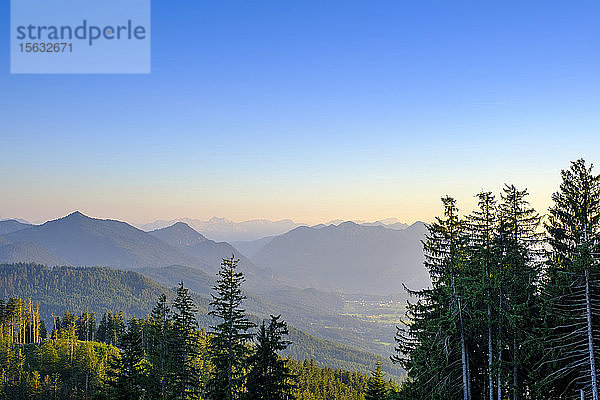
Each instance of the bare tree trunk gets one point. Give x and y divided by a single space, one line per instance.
590 337
463 350
466 394
500 350
490 354
515 367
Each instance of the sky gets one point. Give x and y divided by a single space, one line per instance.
310 110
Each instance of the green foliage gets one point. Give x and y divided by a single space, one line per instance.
377 386
269 377
316 383
229 348
509 315
97 290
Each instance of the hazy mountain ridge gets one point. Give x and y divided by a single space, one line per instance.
348 257
190 241
81 240
225 230
12 225
27 252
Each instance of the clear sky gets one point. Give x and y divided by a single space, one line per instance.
310 110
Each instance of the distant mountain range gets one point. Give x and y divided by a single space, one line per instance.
348 257
224 230
221 229
12 225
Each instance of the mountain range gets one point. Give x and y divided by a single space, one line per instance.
224 230
348 257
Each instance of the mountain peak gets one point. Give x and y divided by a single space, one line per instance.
179 234
77 214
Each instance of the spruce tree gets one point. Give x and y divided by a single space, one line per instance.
269 377
571 288
186 349
229 339
377 387
160 340
433 346
521 261
482 228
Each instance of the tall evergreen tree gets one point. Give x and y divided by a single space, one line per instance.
269 377
161 336
433 347
571 288
521 261
185 325
229 341
482 229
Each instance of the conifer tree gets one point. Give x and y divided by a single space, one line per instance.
482 229
269 377
433 347
185 326
161 336
571 289
229 341
521 260
377 387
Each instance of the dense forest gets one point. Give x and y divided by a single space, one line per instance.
513 307
165 355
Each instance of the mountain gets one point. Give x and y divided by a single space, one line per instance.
224 230
348 257
390 223
183 237
249 248
26 252
12 225
81 240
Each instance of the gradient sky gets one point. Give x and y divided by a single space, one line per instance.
310 110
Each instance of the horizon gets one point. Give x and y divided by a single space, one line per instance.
182 219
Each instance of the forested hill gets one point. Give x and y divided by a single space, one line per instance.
77 288
102 289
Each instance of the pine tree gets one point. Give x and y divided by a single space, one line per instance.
521 261
229 341
482 228
571 289
269 377
185 327
161 336
434 342
377 387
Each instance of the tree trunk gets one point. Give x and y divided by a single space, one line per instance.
490 355
515 367
590 337
466 394
500 350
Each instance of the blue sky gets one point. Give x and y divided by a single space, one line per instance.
310 110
